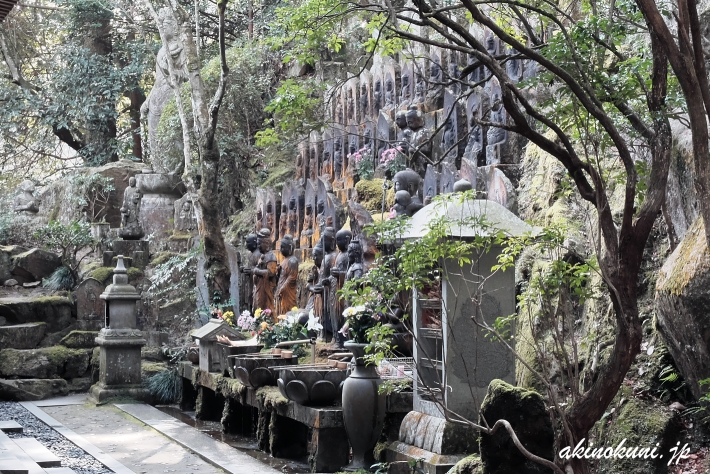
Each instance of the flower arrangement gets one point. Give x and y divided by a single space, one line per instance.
393 160
286 329
246 322
228 316
358 320
363 163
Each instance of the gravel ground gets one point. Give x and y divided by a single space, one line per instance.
71 455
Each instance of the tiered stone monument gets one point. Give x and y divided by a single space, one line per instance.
119 342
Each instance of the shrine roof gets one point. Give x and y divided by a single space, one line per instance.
5 7
213 328
468 218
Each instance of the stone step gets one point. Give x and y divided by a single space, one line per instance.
9 462
22 336
10 426
59 470
37 452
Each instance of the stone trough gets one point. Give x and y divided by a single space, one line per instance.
226 352
315 384
258 370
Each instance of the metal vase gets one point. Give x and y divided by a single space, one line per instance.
363 409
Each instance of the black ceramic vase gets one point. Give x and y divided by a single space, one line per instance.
363 409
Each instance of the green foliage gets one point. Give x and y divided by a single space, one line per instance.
296 108
68 240
89 193
165 386
175 277
308 29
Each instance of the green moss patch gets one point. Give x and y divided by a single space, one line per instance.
102 274
369 194
161 258
270 397
79 339
468 465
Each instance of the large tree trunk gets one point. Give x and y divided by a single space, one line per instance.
98 30
203 184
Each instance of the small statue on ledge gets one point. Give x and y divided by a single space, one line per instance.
130 211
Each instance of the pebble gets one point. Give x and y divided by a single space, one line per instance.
71 455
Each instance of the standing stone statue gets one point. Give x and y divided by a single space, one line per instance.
327 280
404 135
184 217
26 201
307 232
420 146
283 220
162 92
286 290
130 210
342 240
407 181
245 286
315 300
377 97
292 217
389 94
264 273
356 269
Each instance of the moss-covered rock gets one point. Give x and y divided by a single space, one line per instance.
642 423
102 274
468 465
161 258
46 363
80 339
57 311
32 389
682 302
369 194
525 411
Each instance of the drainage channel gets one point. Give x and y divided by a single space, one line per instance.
245 444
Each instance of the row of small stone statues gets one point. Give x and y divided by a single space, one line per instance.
337 258
305 225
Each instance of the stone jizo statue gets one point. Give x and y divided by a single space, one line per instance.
286 289
264 273
130 211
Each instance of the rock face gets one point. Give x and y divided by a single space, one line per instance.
641 423
22 336
525 411
34 265
32 389
682 302
80 340
58 312
55 204
6 254
45 363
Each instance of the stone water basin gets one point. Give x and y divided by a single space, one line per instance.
258 370
316 384
226 352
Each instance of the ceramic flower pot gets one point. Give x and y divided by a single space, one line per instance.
363 409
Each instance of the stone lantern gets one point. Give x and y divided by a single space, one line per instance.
455 360
119 342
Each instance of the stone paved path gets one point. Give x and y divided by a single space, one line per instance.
132 443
